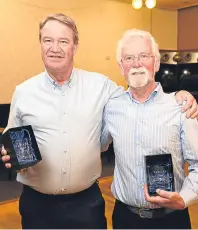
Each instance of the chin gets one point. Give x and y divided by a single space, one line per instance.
137 86
54 67
140 85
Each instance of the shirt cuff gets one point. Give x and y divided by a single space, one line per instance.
189 197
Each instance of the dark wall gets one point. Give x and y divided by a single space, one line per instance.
4 113
179 77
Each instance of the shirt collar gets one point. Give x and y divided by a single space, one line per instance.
55 85
157 93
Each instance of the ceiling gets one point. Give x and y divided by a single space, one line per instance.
171 4
69 4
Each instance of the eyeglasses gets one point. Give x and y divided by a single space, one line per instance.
141 57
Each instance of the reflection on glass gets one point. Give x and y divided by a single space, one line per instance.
23 147
160 177
159 171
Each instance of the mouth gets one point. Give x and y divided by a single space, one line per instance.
138 73
55 57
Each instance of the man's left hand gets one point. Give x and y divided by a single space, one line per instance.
191 104
165 199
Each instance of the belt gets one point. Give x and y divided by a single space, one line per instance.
147 212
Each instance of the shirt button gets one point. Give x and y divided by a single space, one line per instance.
137 143
64 132
64 171
141 185
65 151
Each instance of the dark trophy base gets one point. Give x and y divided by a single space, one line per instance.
21 145
159 170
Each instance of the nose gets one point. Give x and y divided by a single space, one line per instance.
55 47
137 63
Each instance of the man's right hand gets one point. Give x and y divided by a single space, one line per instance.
5 158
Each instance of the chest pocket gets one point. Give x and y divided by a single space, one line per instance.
164 139
40 118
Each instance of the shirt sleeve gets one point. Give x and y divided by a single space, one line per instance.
189 134
106 138
113 90
14 117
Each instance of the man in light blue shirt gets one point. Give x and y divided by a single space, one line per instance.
146 121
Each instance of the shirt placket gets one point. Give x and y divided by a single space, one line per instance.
140 153
65 163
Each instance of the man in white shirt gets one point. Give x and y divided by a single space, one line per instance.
65 106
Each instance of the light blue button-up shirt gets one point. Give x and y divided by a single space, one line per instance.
67 122
156 126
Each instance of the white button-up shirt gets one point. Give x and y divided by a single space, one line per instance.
67 123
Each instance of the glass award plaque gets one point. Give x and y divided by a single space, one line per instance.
159 172
21 145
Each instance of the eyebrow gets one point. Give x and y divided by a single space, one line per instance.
64 39
138 54
47 37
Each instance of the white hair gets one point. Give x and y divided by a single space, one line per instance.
136 33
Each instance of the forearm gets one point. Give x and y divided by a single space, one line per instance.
105 141
189 145
189 191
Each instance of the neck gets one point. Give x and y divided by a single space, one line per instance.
142 94
60 76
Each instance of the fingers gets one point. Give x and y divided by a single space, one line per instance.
188 104
179 98
165 194
8 165
3 151
192 110
195 115
157 200
152 199
165 199
5 158
160 200
185 98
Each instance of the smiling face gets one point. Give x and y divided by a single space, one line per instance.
138 63
57 46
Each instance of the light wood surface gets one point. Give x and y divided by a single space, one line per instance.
1 129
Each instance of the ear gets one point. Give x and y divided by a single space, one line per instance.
121 68
75 49
157 64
